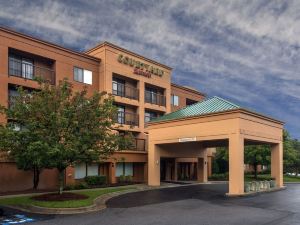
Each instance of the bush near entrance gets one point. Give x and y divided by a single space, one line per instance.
250 177
95 180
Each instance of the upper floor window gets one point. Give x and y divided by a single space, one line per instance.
121 114
175 100
21 67
82 75
190 102
118 87
150 115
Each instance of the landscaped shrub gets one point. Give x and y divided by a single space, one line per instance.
95 180
81 185
128 178
219 177
125 179
122 179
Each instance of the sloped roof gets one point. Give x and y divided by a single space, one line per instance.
210 105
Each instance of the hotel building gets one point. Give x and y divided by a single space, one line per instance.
142 91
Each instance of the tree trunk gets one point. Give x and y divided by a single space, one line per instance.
36 178
255 171
61 181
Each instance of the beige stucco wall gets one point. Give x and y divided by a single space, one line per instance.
235 128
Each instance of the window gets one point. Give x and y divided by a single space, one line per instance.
21 67
175 100
151 95
82 170
121 114
124 168
149 116
118 87
93 170
82 75
12 94
190 102
15 126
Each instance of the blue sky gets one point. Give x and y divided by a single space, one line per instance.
246 51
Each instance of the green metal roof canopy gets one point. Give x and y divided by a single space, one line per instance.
210 105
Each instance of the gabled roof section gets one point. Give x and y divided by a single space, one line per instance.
210 105
106 43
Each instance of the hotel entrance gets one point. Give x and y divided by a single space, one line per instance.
187 171
167 169
178 169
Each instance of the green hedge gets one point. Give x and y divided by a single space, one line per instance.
95 180
125 179
219 177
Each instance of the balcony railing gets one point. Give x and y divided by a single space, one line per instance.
30 71
139 145
149 118
154 98
126 91
127 118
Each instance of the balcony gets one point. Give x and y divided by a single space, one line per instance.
127 118
154 98
138 145
29 71
126 91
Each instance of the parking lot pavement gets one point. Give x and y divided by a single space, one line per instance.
13 216
191 205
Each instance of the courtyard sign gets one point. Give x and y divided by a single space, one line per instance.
140 68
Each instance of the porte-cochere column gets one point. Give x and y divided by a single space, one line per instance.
236 164
153 164
277 163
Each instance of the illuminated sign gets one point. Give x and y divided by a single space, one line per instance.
140 68
187 139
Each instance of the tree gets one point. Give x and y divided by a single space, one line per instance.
291 154
70 127
24 145
220 161
257 155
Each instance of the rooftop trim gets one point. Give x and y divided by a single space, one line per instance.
188 89
106 43
32 38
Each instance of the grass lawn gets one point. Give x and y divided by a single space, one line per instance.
91 193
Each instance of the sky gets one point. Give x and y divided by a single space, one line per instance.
246 51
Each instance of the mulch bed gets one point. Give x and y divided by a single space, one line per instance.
66 196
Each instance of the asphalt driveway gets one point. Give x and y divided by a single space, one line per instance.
191 205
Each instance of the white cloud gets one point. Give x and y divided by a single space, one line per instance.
248 50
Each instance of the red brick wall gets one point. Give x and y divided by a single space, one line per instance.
13 179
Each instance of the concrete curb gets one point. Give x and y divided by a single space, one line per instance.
99 203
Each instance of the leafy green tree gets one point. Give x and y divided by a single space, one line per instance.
220 161
70 127
257 155
24 145
291 154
